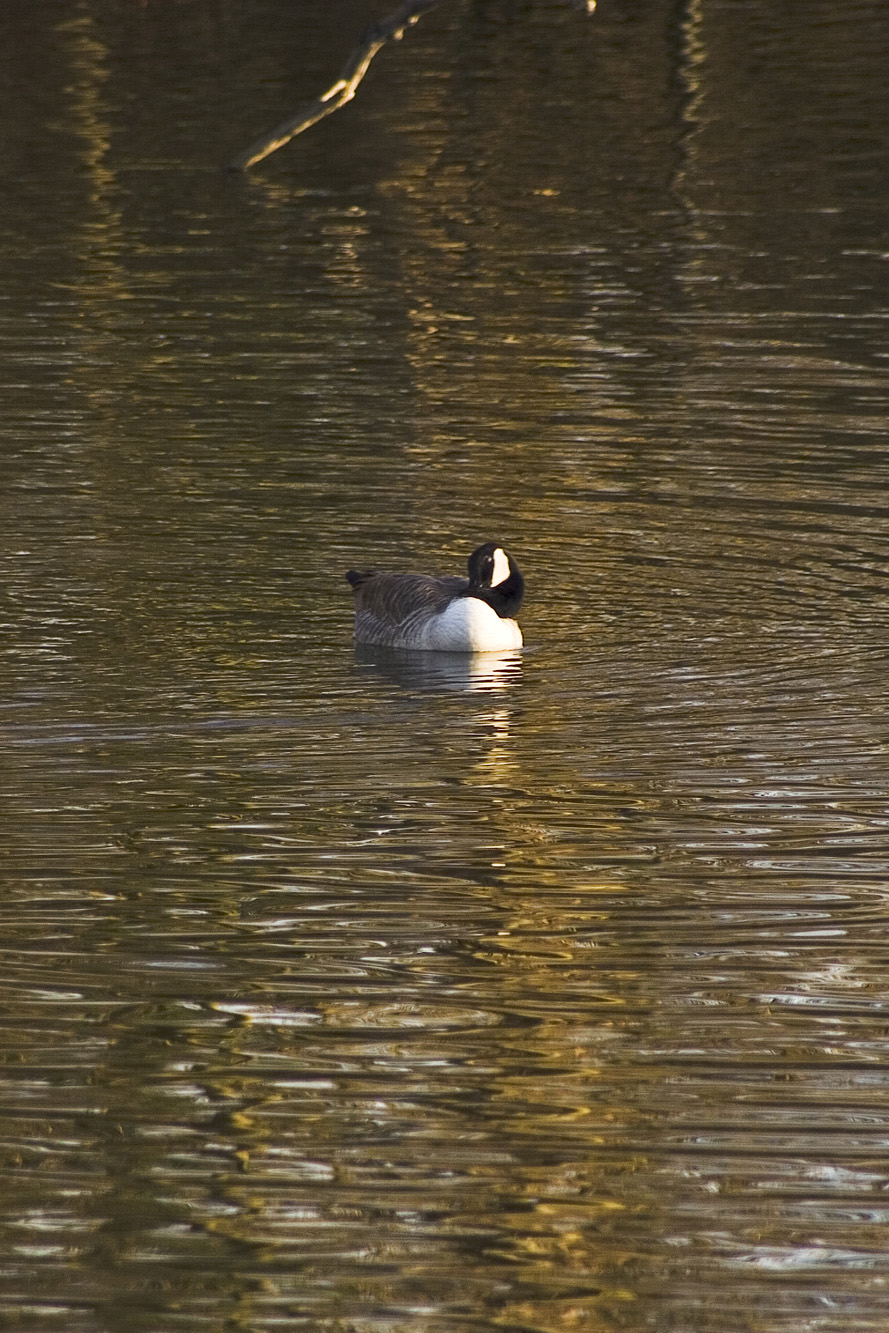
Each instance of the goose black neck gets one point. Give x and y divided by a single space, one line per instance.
506 597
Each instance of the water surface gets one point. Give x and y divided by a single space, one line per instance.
351 991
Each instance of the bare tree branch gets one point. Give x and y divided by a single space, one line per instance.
345 87
340 92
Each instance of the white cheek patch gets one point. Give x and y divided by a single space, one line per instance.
501 567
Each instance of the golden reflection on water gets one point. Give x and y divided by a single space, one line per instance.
376 991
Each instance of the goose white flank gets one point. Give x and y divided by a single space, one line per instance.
450 614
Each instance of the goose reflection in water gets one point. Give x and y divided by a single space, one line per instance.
470 672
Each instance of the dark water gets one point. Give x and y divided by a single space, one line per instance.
376 995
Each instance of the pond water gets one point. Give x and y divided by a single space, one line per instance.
377 994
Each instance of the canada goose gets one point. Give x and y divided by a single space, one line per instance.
449 614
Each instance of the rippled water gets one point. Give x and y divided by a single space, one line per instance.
360 992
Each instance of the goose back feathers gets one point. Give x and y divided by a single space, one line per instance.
449 614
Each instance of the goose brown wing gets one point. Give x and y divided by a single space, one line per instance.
393 597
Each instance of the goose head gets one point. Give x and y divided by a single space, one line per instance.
495 578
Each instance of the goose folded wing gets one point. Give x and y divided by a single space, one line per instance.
395 597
